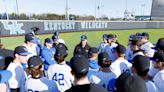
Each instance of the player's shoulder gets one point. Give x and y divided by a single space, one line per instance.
148 44
159 75
151 86
12 66
59 66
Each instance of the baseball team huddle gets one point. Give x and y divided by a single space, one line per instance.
109 67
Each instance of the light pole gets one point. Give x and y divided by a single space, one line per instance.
17 7
66 10
95 10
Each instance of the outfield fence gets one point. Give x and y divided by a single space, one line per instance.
20 27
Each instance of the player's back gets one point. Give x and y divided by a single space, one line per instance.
40 85
103 78
61 74
120 66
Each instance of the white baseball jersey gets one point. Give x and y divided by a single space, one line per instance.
40 85
120 66
151 87
102 78
159 80
101 47
18 76
32 50
153 71
61 74
147 47
137 53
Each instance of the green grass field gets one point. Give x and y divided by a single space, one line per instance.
94 37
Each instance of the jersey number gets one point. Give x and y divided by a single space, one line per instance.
30 90
58 78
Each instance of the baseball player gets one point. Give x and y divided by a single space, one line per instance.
57 39
103 44
30 45
93 65
80 67
38 41
110 48
37 82
17 81
136 48
121 64
146 45
48 53
83 47
128 49
104 76
159 77
141 65
130 83
160 45
61 73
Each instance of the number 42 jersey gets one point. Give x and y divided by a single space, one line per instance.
61 74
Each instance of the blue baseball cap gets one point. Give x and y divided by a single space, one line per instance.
144 34
158 57
21 50
30 38
83 37
131 37
79 64
48 40
34 61
56 33
5 75
61 50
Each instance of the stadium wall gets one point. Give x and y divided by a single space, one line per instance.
20 27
